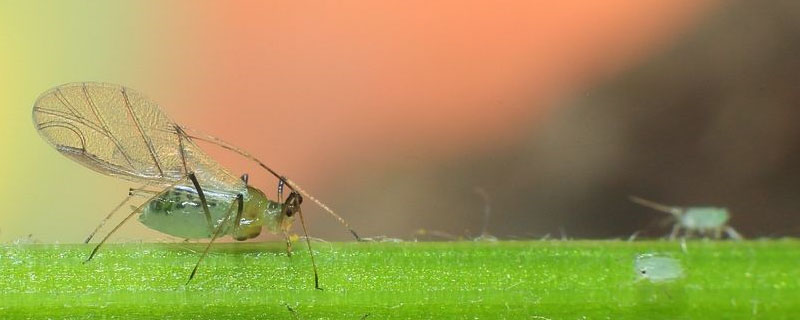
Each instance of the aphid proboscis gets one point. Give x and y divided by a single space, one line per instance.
657 267
119 132
705 221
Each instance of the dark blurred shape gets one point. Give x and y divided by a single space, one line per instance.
711 121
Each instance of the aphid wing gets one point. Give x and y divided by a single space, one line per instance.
119 132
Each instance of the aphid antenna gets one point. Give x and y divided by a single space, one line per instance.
291 184
675 211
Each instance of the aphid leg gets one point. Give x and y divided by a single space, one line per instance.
732 233
310 252
288 244
202 200
217 232
128 217
487 208
294 313
676 228
280 188
717 233
103 222
238 221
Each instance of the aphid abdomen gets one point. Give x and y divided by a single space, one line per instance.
180 213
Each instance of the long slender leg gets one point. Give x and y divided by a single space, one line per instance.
128 217
733 234
240 208
202 200
310 252
633 236
288 244
103 222
280 189
675 229
687 233
182 135
294 313
239 211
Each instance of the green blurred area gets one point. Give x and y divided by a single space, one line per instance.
405 280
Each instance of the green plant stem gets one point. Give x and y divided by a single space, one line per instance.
408 280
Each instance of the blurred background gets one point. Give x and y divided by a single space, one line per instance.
410 117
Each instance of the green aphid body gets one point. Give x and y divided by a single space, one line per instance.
657 268
704 219
179 212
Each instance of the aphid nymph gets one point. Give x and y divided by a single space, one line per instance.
657 268
705 221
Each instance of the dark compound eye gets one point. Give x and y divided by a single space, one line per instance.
643 271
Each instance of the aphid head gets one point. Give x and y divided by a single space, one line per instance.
290 207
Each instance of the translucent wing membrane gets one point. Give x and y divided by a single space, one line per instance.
119 132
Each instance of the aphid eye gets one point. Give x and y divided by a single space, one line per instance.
643 271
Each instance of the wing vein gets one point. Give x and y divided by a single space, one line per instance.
119 132
105 127
68 126
75 118
146 139
63 100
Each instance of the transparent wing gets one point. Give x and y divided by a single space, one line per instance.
119 132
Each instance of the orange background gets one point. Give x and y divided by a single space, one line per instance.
319 90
